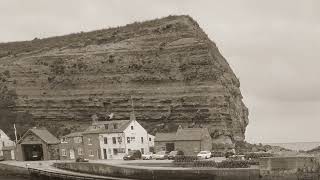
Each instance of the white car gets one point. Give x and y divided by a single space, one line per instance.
147 156
160 155
204 154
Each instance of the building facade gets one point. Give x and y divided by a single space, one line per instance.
71 146
37 144
189 140
6 146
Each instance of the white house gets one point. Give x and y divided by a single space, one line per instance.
118 137
4 142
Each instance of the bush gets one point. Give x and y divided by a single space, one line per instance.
204 164
233 164
257 155
183 159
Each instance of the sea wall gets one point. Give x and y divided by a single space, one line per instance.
303 167
143 173
9 170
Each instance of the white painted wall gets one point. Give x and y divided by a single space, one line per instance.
4 141
137 131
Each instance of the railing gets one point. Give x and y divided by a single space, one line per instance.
36 172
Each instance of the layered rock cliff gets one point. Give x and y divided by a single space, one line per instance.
174 73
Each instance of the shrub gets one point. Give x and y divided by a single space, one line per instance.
257 155
180 159
200 163
233 164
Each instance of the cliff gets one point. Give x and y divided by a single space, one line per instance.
173 71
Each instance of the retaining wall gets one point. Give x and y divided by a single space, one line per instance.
161 174
9 170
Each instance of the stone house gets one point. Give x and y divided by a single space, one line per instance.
37 144
91 146
71 146
189 140
6 146
118 137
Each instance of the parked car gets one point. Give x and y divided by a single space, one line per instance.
132 155
173 154
80 159
147 156
1 158
160 155
204 154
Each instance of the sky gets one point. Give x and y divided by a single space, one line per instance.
273 46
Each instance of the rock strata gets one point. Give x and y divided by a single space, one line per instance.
173 72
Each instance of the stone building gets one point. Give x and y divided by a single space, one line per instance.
71 146
37 144
5 145
118 137
189 140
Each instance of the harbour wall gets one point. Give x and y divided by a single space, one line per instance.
143 173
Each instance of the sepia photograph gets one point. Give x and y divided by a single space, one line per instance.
159 89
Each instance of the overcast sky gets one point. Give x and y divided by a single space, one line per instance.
273 46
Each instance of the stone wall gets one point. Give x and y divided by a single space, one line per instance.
161 174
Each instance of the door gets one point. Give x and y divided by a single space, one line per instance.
12 155
104 153
169 147
72 154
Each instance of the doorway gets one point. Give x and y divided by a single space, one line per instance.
32 152
169 147
72 154
105 153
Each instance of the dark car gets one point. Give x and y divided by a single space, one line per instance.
1 158
80 159
132 155
174 154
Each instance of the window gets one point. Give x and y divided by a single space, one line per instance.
119 140
115 151
115 126
141 139
91 153
77 139
64 140
63 152
106 126
80 151
89 141
149 139
131 127
105 140
121 150
128 140
142 150
114 140
133 139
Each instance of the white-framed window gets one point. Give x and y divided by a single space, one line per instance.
80 151
149 138
119 140
114 140
142 150
131 127
63 152
91 153
64 140
141 139
105 140
128 140
133 139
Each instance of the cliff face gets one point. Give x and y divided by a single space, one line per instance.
173 72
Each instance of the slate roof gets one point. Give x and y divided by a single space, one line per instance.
74 134
191 134
43 134
99 127
187 134
165 137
